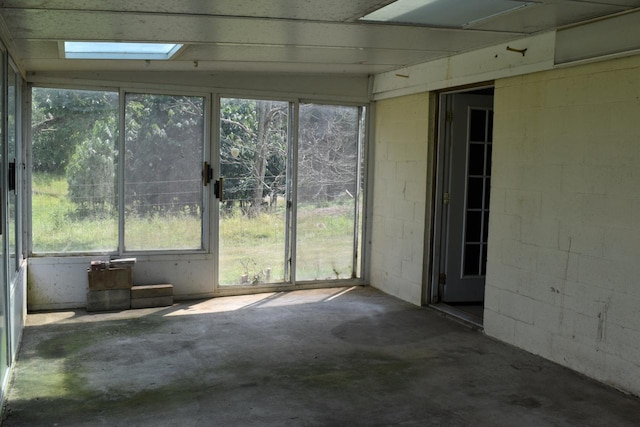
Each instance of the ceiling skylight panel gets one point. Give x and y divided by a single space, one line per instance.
113 50
443 13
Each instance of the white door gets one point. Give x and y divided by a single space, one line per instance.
466 192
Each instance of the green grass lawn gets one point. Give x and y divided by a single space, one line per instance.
252 250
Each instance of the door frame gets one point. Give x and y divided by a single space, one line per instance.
440 180
363 207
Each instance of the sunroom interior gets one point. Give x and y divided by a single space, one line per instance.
235 147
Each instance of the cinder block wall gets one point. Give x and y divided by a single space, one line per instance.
563 277
399 200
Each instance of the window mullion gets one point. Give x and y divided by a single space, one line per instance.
120 170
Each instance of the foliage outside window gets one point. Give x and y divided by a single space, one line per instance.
253 161
327 191
74 155
257 227
75 171
164 139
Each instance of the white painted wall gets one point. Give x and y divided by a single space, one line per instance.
62 282
18 309
564 252
400 195
472 67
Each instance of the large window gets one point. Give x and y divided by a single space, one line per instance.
127 172
74 152
80 187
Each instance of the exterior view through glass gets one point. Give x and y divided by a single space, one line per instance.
254 141
274 210
164 153
74 152
327 192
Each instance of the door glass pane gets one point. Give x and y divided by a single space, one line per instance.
471 259
12 112
3 277
74 151
474 226
476 159
164 154
326 192
477 125
478 192
474 193
253 213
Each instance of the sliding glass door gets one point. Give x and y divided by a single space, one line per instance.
254 141
328 192
290 203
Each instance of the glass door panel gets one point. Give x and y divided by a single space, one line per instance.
328 192
12 141
254 138
164 153
4 287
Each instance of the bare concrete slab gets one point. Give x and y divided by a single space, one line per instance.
331 357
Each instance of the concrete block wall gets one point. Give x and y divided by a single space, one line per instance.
400 195
563 276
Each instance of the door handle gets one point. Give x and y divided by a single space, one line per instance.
218 188
12 176
207 174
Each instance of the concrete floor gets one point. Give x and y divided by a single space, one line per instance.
323 357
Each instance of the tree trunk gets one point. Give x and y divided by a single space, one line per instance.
260 158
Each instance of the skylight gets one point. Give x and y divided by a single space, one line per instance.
443 13
111 50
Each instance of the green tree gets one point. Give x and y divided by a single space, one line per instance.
62 119
327 152
91 172
254 151
164 142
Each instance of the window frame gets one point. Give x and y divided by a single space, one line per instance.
210 212
120 251
206 157
362 226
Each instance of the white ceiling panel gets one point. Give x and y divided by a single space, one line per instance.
312 55
46 65
314 10
539 17
302 36
443 13
111 26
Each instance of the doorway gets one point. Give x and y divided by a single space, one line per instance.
290 193
463 191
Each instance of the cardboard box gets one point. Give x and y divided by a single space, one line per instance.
109 278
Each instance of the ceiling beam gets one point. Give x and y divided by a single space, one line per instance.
141 27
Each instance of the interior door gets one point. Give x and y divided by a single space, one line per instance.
466 196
